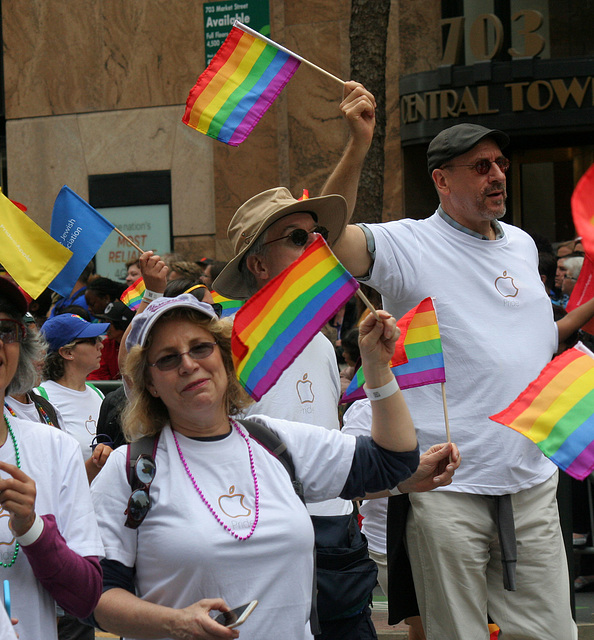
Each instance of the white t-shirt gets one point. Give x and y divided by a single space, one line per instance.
497 332
79 411
357 422
308 391
182 553
53 459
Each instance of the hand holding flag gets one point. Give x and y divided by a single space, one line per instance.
418 356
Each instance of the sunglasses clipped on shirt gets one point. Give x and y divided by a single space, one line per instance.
140 500
12 331
173 360
299 236
483 166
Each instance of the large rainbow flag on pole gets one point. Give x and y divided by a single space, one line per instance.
556 411
418 357
276 323
243 79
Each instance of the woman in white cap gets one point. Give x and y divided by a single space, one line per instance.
216 515
49 542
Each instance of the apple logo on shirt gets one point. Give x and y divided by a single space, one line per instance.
232 504
304 390
505 286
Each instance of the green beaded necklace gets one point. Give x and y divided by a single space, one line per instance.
18 461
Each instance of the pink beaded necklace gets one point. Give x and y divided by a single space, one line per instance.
207 503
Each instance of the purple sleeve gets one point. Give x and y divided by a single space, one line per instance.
72 580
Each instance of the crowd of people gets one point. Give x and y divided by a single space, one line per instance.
148 511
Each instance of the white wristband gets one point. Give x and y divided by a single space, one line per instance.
149 296
382 392
395 491
33 534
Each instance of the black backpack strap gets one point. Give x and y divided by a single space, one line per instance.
275 446
270 441
45 409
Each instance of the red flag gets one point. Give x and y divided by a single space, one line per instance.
583 291
582 208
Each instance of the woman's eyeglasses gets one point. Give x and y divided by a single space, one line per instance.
173 360
299 236
12 331
483 166
140 500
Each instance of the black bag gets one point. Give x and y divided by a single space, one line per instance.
346 574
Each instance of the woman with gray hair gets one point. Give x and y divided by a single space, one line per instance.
21 401
573 266
50 558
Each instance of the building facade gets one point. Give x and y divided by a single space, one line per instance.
94 92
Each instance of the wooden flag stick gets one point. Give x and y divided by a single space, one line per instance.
445 413
247 29
128 240
368 304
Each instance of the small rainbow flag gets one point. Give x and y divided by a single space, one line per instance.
277 322
228 305
243 79
132 296
556 411
422 361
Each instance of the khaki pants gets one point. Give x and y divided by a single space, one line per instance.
455 557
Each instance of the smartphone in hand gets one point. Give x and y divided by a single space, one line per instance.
237 616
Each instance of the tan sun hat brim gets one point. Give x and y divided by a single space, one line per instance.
257 214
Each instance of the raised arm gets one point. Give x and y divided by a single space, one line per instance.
391 424
358 109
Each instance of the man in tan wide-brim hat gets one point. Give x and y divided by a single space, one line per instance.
260 216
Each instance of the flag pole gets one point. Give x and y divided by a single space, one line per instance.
128 240
445 414
253 32
368 304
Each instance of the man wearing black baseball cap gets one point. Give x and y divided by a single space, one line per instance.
497 333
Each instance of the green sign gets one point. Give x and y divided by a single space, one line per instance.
220 16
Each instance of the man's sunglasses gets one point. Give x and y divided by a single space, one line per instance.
12 331
173 360
140 500
299 236
483 166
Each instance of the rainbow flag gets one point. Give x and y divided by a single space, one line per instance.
277 322
422 362
132 296
243 79
228 306
556 411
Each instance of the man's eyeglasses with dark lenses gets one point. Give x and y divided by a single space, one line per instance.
299 236
140 500
483 166
12 331
172 361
